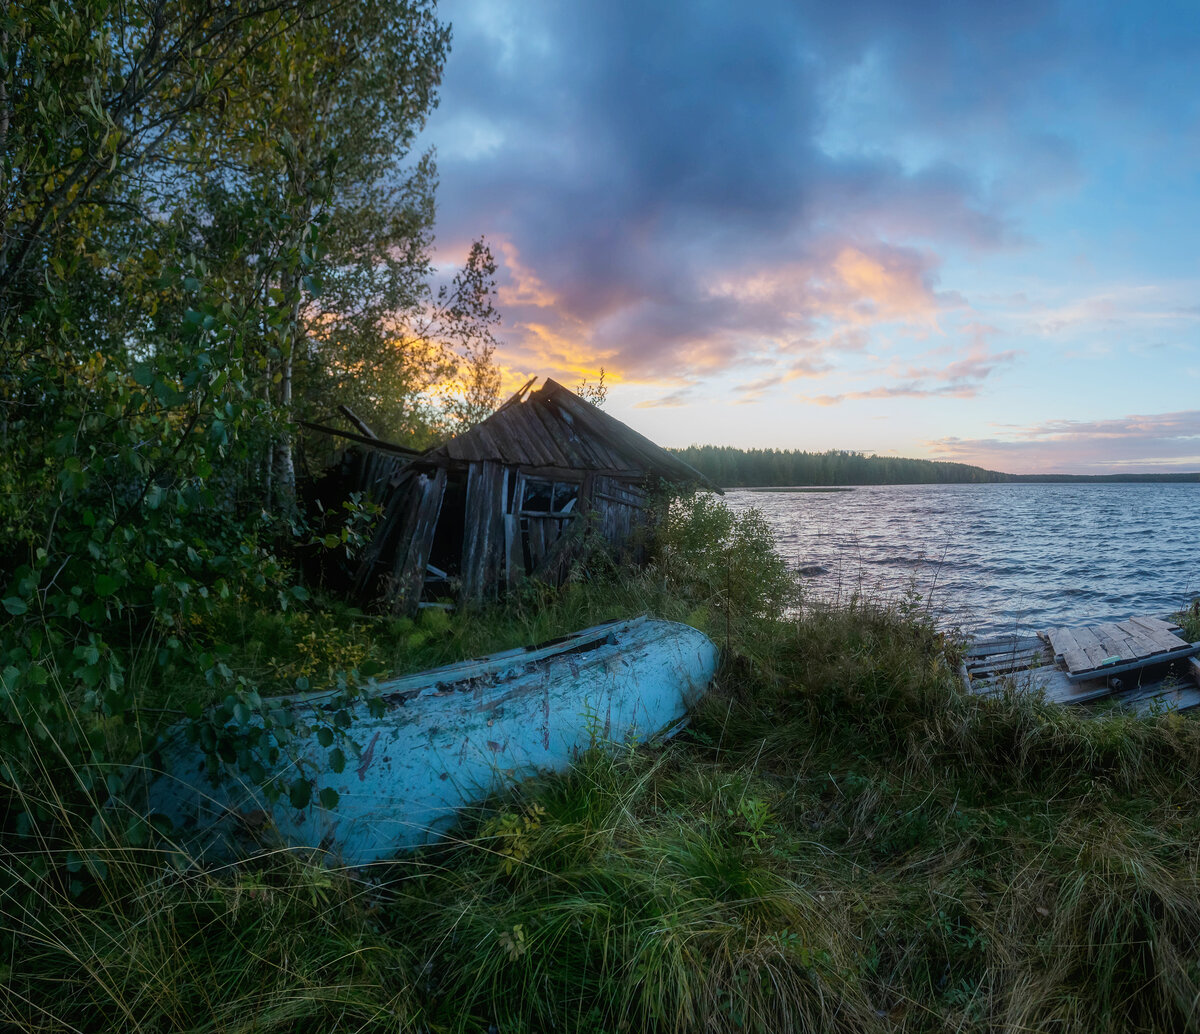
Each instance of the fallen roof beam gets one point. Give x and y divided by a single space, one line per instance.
362 439
359 423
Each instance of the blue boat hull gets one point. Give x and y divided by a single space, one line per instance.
435 743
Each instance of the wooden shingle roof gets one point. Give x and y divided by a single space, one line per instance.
554 427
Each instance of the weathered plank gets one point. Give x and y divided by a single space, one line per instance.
537 541
1117 642
1092 646
514 550
1154 624
1179 698
362 439
1060 689
536 438
985 647
395 519
1141 639
1185 650
1157 697
411 577
483 532
1107 646
360 425
1048 679
1061 640
1000 663
1066 646
398 543
1161 638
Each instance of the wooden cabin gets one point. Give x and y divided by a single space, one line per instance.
521 494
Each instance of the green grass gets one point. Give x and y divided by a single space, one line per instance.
841 841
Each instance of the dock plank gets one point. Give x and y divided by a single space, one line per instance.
1106 645
1116 642
1008 661
1092 646
1166 640
1139 638
1154 624
1066 645
1185 650
1022 664
1062 640
1156 631
989 647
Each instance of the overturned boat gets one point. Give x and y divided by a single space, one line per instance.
390 769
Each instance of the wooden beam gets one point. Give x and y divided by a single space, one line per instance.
362 439
1185 650
358 422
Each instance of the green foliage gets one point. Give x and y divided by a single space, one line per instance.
724 563
198 219
841 841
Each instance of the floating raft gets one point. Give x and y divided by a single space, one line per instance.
1141 664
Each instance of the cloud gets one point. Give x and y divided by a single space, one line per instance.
768 194
813 367
674 399
910 390
1139 442
658 182
961 377
1119 305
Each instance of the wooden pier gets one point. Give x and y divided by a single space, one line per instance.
1141 664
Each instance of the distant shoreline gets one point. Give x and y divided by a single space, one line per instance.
793 488
791 469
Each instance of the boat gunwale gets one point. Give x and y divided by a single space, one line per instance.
406 686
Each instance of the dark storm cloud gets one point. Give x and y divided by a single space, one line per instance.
634 155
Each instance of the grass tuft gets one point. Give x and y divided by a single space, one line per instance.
841 841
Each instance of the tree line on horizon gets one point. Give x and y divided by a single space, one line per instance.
731 467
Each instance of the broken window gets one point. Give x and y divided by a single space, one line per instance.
545 498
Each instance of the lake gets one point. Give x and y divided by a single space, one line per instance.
995 558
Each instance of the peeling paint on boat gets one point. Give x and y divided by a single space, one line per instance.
446 739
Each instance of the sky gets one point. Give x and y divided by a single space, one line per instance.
963 230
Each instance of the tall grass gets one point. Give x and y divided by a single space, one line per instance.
841 841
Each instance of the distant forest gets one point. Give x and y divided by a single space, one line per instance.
776 468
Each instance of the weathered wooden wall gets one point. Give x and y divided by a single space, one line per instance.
515 525
532 488
483 556
408 570
619 507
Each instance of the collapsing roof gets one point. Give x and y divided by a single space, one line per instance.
554 428
523 493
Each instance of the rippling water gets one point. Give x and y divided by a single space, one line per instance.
996 558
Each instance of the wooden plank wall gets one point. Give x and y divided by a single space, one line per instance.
374 473
619 507
410 565
484 552
501 545
398 512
